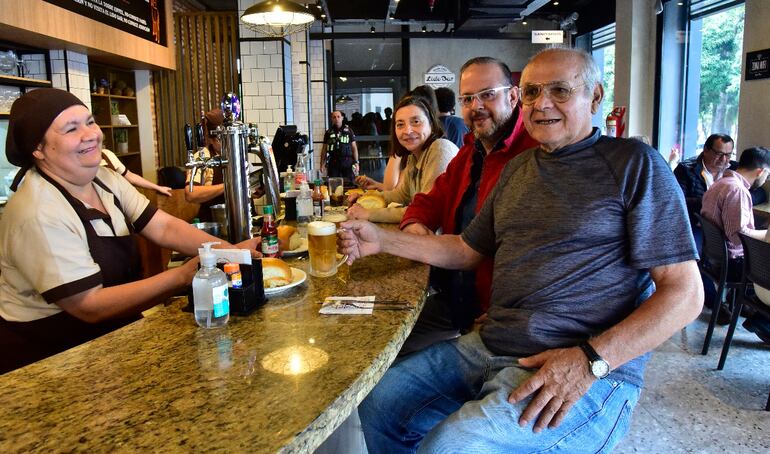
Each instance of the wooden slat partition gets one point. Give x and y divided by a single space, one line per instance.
206 55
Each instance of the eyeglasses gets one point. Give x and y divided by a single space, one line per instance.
484 96
721 155
558 91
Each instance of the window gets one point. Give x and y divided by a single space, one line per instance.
701 46
714 72
603 51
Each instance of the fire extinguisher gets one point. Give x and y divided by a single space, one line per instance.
615 124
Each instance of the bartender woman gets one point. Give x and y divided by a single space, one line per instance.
69 268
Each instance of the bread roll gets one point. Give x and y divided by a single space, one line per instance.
371 201
275 272
285 234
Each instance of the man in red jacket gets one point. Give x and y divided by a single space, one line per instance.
489 103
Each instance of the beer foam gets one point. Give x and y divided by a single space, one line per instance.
321 228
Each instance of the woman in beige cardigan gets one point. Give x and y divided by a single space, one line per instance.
416 136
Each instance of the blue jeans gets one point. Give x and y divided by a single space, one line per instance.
452 397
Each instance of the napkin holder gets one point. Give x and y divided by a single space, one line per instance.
251 295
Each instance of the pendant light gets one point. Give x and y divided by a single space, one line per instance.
277 18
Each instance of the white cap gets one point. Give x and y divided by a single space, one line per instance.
208 259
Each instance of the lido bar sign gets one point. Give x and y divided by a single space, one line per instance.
142 18
439 76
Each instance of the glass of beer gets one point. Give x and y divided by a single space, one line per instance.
336 192
322 248
336 218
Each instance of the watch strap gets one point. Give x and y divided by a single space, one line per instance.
590 352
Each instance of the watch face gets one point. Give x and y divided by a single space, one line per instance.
600 368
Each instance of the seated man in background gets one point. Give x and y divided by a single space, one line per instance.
454 127
209 187
584 286
727 203
458 194
695 175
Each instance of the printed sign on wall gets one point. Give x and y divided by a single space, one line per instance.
757 64
547 36
142 18
439 76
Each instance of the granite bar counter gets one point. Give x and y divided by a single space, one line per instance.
279 380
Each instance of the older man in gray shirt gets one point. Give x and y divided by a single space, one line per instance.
590 274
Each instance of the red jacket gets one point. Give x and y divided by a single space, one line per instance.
437 208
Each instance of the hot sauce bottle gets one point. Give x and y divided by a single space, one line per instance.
269 234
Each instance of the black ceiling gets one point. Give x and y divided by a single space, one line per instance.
460 15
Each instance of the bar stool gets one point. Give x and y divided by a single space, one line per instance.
714 264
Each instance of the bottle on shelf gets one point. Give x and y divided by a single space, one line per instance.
300 170
269 233
212 300
304 209
288 180
318 201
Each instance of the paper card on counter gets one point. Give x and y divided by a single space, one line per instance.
363 305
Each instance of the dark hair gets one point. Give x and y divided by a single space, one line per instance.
446 99
713 138
435 125
426 92
490 61
755 158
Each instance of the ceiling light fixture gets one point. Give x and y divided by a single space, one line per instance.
277 18
555 3
344 79
370 48
524 21
424 29
372 29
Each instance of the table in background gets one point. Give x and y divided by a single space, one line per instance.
163 384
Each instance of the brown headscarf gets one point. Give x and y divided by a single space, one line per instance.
31 115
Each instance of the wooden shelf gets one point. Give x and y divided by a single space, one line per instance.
5 115
117 126
24 81
105 95
130 153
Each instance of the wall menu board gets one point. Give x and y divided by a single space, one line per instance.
142 18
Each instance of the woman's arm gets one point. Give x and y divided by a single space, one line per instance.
136 180
392 176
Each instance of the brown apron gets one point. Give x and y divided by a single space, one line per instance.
22 343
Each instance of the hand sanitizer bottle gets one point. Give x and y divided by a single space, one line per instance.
212 301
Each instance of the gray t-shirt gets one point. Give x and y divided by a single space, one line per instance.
574 234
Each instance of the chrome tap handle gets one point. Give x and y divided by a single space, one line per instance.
192 176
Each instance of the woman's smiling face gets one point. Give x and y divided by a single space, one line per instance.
412 128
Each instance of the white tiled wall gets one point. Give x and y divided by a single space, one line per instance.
75 71
318 99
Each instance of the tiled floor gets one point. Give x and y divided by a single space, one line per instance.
688 406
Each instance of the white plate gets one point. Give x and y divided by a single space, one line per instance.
300 250
297 277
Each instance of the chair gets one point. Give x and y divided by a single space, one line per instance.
714 264
756 270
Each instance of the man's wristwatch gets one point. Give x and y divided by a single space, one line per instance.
598 366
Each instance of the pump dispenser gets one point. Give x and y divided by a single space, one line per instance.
210 293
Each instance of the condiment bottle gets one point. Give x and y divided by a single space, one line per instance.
318 201
269 233
304 209
233 272
288 180
211 298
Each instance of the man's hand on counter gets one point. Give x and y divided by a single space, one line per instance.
253 245
358 239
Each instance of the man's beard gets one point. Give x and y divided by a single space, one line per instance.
497 125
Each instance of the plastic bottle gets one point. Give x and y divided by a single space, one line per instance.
318 201
304 209
269 233
288 180
212 300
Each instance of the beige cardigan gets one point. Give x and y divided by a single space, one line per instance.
419 176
